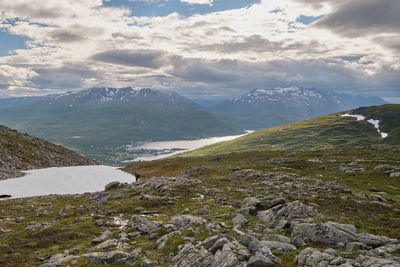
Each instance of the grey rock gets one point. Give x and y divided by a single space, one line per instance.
251 242
58 260
285 247
186 221
311 257
259 260
146 226
395 174
101 238
33 226
279 238
368 261
209 242
112 185
375 240
298 242
239 220
328 233
225 258
281 217
114 257
203 212
189 256
106 245
218 245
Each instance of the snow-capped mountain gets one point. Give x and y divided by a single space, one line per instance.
104 95
262 108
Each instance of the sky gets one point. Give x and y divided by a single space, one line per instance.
200 48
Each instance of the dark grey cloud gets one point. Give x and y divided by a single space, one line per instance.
391 41
142 58
232 77
257 43
362 17
69 76
75 33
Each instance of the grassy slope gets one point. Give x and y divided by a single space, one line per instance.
75 224
323 132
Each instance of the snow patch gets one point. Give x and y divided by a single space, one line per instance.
358 117
376 125
372 121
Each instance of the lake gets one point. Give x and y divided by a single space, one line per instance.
63 180
166 149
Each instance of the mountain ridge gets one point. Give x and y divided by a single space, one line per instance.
264 108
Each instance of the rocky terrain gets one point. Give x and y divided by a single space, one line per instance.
20 152
249 209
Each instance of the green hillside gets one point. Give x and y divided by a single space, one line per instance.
325 132
98 131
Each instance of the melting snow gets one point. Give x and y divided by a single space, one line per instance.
63 180
358 117
373 122
376 124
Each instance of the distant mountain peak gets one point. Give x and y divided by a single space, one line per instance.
104 95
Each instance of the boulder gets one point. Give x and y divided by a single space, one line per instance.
259 260
311 257
114 257
101 238
186 221
58 260
112 185
146 226
239 220
33 226
225 258
106 245
189 256
279 238
378 262
285 247
327 233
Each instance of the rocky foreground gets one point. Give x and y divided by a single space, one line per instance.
218 215
20 152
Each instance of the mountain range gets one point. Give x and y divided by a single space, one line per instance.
264 108
102 122
98 120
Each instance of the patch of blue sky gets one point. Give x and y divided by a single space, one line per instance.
308 19
164 7
10 42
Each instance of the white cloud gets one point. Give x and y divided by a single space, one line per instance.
230 51
198 2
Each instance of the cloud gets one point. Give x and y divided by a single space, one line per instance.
198 2
363 17
141 58
75 33
82 43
